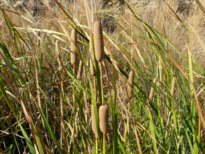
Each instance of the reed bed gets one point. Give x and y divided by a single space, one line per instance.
69 86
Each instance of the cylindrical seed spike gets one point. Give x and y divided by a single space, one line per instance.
103 117
98 41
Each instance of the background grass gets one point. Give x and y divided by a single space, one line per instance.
46 108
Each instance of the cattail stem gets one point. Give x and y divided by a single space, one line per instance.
96 145
92 70
101 80
104 143
74 70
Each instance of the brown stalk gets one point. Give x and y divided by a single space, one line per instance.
31 125
73 47
130 84
137 139
62 96
37 84
80 71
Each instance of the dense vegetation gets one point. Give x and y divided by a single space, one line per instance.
66 86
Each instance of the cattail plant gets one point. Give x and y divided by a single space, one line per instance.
99 55
92 71
94 126
130 84
103 117
99 51
73 55
98 41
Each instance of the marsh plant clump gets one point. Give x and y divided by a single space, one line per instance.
67 85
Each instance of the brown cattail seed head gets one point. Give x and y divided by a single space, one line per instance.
130 84
73 47
94 123
103 117
98 41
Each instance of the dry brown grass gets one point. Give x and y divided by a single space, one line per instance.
73 47
149 110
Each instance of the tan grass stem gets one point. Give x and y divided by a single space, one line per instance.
130 84
73 47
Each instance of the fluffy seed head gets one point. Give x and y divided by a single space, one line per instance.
98 41
103 117
130 84
94 123
73 47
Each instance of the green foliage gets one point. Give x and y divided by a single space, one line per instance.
47 106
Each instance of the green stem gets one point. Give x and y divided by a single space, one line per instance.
104 144
101 80
96 148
